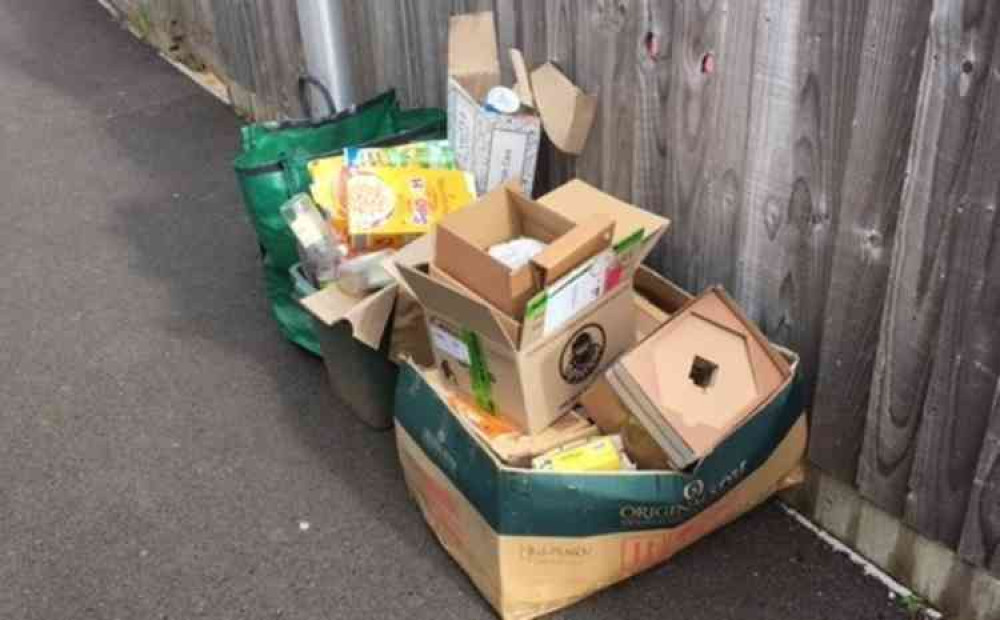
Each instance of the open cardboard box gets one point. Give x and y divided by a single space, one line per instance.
532 371
497 147
463 240
534 542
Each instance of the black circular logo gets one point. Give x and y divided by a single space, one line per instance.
582 354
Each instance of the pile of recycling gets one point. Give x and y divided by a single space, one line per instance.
565 416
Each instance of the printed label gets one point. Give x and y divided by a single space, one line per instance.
450 345
462 112
479 372
506 161
576 291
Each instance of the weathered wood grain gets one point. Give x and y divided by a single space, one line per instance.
981 530
787 220
966 360
936 365
698 117
878 49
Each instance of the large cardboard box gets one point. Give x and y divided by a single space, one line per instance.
531 372
463 240
533 542
496 147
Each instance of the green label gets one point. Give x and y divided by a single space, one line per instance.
482 383
629 243
536 307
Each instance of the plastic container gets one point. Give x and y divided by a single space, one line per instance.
317 245
301 286
361 378
363 274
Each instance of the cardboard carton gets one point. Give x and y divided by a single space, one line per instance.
533 542
497 147
463 240
698 377
532 371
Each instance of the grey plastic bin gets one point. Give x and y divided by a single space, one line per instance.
362 378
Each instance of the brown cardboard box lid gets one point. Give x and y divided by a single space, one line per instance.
578 201
565 253
367 315
445 299
567 112
472 53
701 374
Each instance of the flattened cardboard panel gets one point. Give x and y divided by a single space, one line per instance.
441 299
522 82
578 200
567 112
565 253
472 52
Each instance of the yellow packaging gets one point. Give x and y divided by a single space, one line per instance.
388 207
327 192
601 454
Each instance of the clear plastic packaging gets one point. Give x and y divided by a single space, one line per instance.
317 243
364 273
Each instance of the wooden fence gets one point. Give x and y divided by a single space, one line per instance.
834 164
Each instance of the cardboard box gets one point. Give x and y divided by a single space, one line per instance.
534 542
532 371
362 339
495 147
698 377
464 238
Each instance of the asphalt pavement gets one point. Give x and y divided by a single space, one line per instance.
164 453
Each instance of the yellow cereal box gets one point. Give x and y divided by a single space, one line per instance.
388 207
327 192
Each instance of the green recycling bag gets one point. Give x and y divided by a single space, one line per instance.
272 166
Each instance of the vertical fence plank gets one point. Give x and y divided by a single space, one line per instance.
981 531
789 216
868 164
937 359
701 132
966 359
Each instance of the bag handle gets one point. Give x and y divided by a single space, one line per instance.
306 80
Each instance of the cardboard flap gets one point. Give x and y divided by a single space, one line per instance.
417 252
567 112
440 298
472 53
570 250
522 82
368 315
578 201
